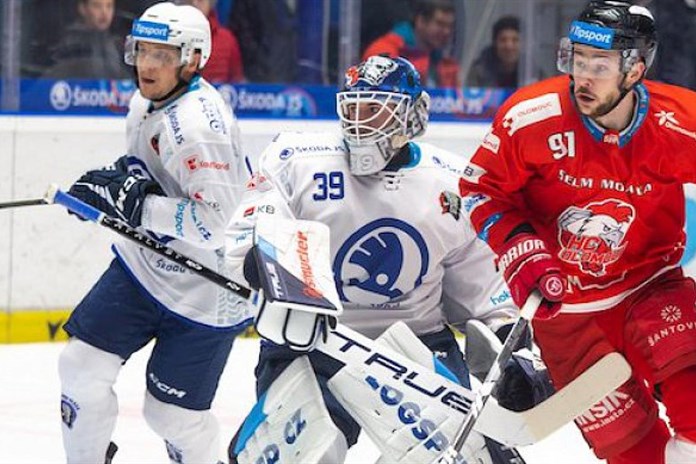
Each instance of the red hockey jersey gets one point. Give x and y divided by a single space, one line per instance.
609 204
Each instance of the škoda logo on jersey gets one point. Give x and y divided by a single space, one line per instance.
593 237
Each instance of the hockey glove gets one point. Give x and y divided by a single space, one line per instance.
297 329
526 264
116 194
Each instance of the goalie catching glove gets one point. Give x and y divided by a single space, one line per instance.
289 263
116 192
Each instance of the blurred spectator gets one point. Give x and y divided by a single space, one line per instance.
676 27
377 17
225 63
267 34
223 9
423 42
127 11
498 64
42 25
87 49
136 7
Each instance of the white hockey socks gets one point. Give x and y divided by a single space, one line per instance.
191 437
88 403
679 451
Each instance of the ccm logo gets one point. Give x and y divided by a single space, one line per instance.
164 388
194 163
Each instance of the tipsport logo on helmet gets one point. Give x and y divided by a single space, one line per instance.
150 30
589 34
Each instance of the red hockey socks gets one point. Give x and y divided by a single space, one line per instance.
679 397
649 450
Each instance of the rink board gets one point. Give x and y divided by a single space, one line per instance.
48 260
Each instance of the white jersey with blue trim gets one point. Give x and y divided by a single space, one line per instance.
402 246
191 148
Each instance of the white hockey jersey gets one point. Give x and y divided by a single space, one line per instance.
402 246
191 148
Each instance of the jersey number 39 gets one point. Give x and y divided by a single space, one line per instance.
330 186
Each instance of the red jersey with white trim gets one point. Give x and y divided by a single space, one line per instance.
609 204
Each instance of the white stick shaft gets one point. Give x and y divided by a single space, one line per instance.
451 455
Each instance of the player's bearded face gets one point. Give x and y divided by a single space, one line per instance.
158 69
598 79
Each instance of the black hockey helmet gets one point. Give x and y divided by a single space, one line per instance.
612 25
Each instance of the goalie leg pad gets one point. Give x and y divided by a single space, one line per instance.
290 423
274 359
88 402
408 425
438 351
190 436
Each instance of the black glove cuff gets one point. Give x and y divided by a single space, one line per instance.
251 269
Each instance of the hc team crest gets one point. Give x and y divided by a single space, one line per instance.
374 71
593 237
380 262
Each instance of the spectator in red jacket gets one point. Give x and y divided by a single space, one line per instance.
225 63
423 41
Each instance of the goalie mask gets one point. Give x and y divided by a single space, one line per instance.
381 107
609 25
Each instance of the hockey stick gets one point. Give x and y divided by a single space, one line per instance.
19 203
350 347
451 454
85 211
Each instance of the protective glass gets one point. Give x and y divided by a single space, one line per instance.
161 57
368 117
591 65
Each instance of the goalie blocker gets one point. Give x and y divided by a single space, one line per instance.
290 264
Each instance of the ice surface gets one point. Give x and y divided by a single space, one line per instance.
30 411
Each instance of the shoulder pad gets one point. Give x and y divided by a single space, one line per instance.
288 146
672 109
444 160
198 116
531 111
138 103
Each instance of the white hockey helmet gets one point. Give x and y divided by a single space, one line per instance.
182 26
